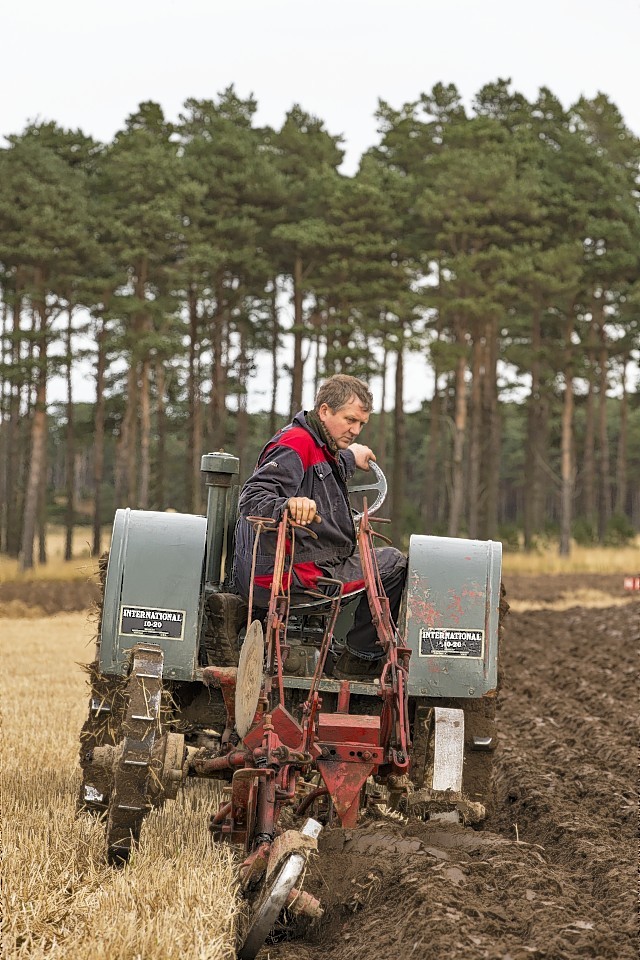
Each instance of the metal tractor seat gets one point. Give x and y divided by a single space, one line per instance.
309 601
310 614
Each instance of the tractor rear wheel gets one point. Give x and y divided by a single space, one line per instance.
480 732
133 769
102 726
479 748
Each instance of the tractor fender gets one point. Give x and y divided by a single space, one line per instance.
154 589
450 616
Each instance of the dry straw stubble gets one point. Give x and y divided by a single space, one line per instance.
177 897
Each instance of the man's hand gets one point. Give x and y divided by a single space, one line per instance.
303 510
362 454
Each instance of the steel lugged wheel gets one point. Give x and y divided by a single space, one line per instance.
134 774
480 744
104 720
101 728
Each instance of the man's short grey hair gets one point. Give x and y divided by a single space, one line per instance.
338 390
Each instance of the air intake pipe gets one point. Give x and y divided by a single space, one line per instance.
220 472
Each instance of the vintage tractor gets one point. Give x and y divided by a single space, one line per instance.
189 681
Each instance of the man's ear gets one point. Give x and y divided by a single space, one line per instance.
323 410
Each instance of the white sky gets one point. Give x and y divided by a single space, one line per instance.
88 65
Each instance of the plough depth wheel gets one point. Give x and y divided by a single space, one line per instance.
274 898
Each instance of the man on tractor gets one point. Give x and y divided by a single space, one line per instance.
305 468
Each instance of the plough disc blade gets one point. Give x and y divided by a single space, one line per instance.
274 900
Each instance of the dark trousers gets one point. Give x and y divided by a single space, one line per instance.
361 639
392 564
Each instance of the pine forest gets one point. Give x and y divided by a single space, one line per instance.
202 275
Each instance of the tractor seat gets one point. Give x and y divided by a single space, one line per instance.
311 601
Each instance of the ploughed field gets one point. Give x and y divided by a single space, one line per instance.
551 875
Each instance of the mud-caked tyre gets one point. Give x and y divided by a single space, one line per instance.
480 740
224 616
104 719
480 731
101 728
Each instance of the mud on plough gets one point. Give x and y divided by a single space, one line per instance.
299 751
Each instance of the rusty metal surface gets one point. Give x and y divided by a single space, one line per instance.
344 781
448 749
249 678
349 728
130 800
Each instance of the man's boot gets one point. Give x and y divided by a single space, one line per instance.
350 667
225 614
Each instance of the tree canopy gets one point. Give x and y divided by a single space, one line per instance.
185 266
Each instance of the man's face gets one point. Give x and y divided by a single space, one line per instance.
345 424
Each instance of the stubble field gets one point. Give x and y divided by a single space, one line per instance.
551 876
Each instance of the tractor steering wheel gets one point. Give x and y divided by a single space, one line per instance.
379 485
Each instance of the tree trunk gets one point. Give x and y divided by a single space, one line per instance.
160 468
126 446
140 460
621 464
381 443
275 340
317 341
297 372
242 431
588 461
98 441
476 433
194 425
198 433
492 429
460 425
567 455
70 453
144 461
429 510
218 373
399 445
12 537
37 458
533 451
604 514
5 359
635 508
42 510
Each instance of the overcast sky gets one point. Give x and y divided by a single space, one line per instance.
87 64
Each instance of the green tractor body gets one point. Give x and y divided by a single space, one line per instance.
162 566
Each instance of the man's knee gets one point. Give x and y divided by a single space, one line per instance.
392 564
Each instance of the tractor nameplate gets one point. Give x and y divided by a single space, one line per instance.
143 622
451 643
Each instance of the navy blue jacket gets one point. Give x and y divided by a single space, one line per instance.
296 463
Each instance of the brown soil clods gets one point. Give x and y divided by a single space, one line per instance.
553 873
